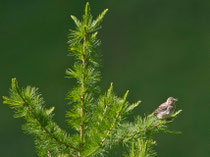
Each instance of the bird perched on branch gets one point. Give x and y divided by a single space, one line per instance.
167 108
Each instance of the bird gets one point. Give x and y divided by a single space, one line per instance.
166 109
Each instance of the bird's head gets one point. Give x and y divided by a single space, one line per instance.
171 100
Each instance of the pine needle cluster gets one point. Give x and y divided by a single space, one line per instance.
98 120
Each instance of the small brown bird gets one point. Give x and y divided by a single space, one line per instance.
166 109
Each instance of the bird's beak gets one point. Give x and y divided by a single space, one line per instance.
176 99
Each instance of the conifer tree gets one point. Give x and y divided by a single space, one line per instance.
98 120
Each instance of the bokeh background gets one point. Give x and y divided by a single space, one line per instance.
154 48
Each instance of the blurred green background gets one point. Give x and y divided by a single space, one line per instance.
154 48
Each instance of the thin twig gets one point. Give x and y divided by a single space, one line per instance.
110 129
105 109
83 92
48 153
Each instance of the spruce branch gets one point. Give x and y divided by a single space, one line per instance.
115 120
27 103
111 111
148 125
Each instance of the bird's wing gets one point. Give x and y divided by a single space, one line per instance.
161 108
